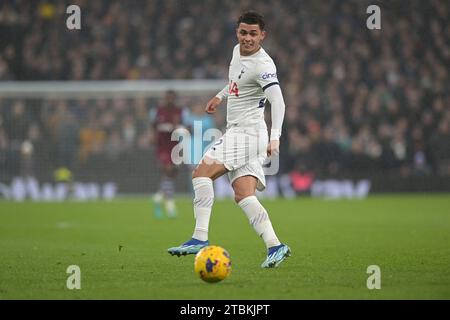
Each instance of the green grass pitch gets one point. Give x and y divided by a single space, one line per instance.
121 250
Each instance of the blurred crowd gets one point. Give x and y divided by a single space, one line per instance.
358 100
41 135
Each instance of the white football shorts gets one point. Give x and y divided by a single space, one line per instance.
243 152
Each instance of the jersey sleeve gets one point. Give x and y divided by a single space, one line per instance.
275 97
266 74
152 114
223 93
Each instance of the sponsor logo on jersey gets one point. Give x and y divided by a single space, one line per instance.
268 75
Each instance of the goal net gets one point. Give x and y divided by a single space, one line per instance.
88 139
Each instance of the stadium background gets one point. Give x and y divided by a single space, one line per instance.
361 104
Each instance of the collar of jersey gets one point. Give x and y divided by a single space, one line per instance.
252 55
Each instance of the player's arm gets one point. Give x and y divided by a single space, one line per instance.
212 104
275 97
267 78
152 115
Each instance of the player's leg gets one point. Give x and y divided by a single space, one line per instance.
202 180
158 197
244 190
168 189
244 195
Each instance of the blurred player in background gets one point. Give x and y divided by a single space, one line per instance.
242 150
166 118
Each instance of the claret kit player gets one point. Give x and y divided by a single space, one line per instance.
166 118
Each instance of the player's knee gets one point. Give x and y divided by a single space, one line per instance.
239 196
195 173
200 172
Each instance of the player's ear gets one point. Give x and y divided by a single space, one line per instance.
263 34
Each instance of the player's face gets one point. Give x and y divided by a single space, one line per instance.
249 37
170 99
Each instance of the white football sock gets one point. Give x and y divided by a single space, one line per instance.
158 197
170 206
259 219
203 202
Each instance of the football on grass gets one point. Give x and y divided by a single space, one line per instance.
212 264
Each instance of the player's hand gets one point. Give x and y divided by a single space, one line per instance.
212 104
273 147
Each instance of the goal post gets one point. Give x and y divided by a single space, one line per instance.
107 89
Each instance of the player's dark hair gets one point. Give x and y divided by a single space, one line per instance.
252 17
171 92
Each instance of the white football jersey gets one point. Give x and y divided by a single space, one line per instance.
249 76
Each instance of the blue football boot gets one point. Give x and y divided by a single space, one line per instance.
276 255
190 247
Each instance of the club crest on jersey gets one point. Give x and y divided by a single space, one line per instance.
242 72
268 75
